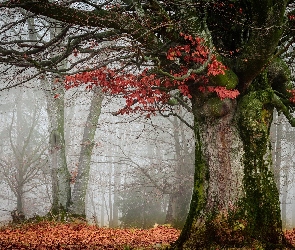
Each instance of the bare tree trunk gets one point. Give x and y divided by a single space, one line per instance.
81 182
19 158
19 200
278 150
117 184
102 209
61 190
110 199
169 219
284 196
94 216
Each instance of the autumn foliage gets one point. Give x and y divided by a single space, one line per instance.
292 96
146 90
53 235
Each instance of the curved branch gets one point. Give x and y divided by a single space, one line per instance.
280 106
265 33
101 18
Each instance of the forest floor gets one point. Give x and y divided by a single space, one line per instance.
71 236
53 235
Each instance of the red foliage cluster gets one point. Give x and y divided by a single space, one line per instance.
195 52
220 5
222 92
47 235
292 98
143 91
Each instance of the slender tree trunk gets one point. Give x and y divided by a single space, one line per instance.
235 199
169 219
19 200
110 199
284 196
117 184
81 182
278 150
20 144
94 216
102 209
61 190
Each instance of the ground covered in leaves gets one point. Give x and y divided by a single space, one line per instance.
52 235
290 236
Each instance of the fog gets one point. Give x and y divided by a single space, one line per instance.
59 146
140 166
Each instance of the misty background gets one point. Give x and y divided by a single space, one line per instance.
140 168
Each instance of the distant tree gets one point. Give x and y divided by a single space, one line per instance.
167 167
141 205
182 184
24 155
63 198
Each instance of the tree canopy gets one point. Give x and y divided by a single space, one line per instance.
246 36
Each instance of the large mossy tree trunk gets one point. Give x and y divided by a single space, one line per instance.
235 201
261 201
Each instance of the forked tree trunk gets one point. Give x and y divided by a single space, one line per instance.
235 201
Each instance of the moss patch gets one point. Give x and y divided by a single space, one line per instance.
229 80
261 202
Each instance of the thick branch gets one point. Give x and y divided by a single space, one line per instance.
265 33
101 18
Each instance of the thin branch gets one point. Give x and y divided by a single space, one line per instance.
280 106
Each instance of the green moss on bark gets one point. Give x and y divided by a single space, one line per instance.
260 205
229 79
198 201
254 221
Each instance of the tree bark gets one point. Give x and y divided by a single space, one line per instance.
235 199
278 152
284 196
19 199
61 190
81 182
117 185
